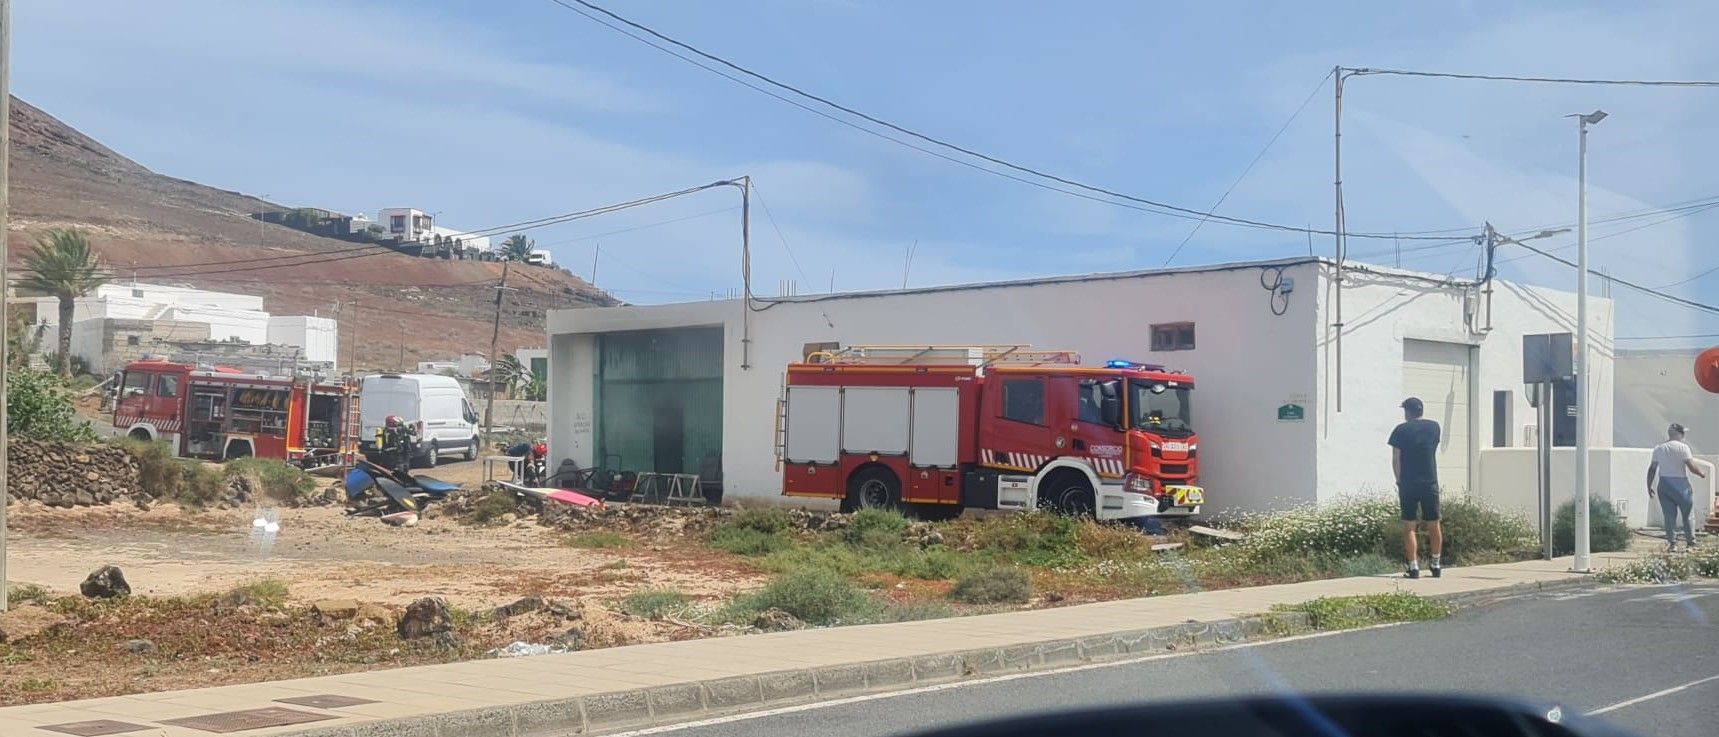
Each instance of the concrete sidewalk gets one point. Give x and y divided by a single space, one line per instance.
613 688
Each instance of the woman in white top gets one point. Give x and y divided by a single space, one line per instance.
1673 462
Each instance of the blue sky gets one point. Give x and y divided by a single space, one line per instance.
503 111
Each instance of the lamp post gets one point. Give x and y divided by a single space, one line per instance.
1581 562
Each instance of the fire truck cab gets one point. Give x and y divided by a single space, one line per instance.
936 429
221 414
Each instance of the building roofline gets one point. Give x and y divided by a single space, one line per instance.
1439 279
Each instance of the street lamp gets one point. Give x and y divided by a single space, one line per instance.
1581 562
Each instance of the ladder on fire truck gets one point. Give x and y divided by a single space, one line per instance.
1008 354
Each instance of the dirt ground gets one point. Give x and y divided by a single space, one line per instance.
320 553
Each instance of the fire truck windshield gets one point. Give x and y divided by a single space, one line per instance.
1157 407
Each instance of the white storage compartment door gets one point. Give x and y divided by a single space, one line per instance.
936 430
814 424
875 419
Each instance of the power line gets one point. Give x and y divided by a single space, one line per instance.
1249 168
585 9
657 224
1545 80
1667 337
1686 281
1629 284
1677 216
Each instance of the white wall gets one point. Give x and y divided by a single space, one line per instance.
571 400
1380 311
225 324
1656 388
1619 475
318 338
1247 362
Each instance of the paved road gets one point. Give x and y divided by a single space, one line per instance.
1584 650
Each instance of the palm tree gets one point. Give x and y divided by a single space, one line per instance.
517 247
62 266
509 372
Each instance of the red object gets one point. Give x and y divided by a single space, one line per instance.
1022 428
574 498
392 421
540 450
217 415
1707 369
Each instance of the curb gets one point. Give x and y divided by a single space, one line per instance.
660 705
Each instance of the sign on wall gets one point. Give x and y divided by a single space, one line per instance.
1291 412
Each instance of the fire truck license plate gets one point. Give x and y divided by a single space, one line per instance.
1187 496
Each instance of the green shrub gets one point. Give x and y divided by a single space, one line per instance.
763 519
1665 567
277 481
267 592
995 585
654 603
1347 612
874 528
183 481
39 406
742 540
1473 532
1607 532
932 564
1100 541
27 592
1034 539
598 539
495 505
1365 564
1477 534
813 595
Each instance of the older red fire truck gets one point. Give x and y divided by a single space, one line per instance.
222 413
936 429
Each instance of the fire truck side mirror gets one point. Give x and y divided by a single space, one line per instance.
1111 410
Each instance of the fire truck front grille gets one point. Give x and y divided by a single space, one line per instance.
1174 469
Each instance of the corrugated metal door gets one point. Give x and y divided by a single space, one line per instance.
659 399
1437 373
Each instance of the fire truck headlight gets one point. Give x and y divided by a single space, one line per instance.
1137 483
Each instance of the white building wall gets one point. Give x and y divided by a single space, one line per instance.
224 324
1381 309
1509 481
317 338
1246 363
1656 388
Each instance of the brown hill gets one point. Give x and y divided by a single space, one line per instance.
171 231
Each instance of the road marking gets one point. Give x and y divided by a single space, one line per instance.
977 682
1654 695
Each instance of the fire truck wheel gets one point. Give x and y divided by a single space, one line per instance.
140 434
872 487
1067 493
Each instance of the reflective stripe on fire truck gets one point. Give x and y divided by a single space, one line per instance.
1106 467
160 425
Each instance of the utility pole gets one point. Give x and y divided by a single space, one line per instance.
352 351
5 277
494 360
594 256
1583 419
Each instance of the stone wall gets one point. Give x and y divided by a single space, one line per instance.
67 475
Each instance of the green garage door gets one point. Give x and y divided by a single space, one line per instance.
659 399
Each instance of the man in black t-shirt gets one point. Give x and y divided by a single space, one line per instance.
1414 461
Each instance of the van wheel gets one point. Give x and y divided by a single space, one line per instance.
432 456
872 487
472 450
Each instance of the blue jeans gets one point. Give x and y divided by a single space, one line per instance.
1676 499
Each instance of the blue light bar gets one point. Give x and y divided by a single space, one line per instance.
1118 363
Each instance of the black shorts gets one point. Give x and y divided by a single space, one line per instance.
1423 499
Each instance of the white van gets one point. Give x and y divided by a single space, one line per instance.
447 424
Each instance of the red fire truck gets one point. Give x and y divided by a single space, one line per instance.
935 429
221 413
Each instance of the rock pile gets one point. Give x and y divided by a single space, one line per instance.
70 475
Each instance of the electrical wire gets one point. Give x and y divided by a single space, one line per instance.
1626 231
585 9
1249 168
1545 80
1667 337
796 261
1627 284
1682 282
657 224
